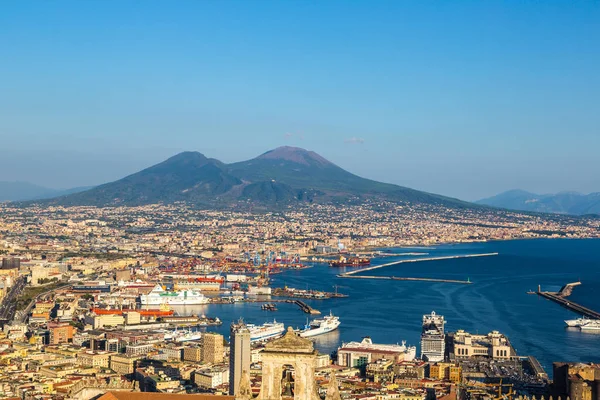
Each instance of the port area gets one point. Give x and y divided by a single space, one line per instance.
354 273
561 296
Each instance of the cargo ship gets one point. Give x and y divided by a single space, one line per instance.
269 330
158 295
320 326
350 262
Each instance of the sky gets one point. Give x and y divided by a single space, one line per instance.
461 98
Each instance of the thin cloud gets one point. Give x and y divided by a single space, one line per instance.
354 140
290 135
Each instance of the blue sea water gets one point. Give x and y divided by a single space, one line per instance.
391 311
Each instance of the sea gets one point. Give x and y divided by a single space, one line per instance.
391 311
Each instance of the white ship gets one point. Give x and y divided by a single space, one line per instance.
160 296
591 325
269 330
576 323
320 326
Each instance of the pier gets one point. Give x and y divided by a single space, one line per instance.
353 274
306 308
397 278
560 297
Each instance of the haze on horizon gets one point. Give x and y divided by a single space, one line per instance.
465 99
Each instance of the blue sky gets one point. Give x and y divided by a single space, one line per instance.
463 98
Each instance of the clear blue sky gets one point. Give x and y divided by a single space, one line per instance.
461 98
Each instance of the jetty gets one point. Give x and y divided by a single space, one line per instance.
561 296
374 267
397 278
306 308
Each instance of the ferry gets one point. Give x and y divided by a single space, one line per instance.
269 330
591 325
182 335
320 326
158 296
576 323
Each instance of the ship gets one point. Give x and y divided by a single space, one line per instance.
320 326
576 323
269 330
591 325
350 262
158 296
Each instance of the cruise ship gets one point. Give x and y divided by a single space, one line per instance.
577 323
320 326
158 296
182 335
433 342
269 330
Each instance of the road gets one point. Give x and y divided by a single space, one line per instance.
9 304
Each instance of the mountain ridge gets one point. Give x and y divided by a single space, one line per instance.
281 176
566 202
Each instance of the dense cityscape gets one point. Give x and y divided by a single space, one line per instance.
88 298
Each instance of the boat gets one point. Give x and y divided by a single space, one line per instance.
266 331
350 262
158 295
576 323
591 325
320 326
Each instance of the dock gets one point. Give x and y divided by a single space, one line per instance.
374 267
560 297
397 278
306 308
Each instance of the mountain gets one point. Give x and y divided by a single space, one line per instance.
18 191
278 177
559 203
188 176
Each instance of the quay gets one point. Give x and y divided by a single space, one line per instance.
347 274
560 297
397 278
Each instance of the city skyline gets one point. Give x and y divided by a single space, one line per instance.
465 100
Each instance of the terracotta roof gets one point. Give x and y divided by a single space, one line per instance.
161 396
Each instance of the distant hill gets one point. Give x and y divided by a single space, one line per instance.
281 176
559 203
20 191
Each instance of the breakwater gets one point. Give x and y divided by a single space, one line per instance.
398 278
374 267
560 297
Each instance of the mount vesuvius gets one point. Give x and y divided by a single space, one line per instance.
282 176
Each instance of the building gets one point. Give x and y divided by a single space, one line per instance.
239 357
381 370
94 359
212 348
192 353
576 380
60 332
211 378
139 349
493 345
433 345
11 263
124 364
359 354
445 371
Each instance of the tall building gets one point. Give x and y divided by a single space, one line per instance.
433 341
60 332
212 349
239 357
